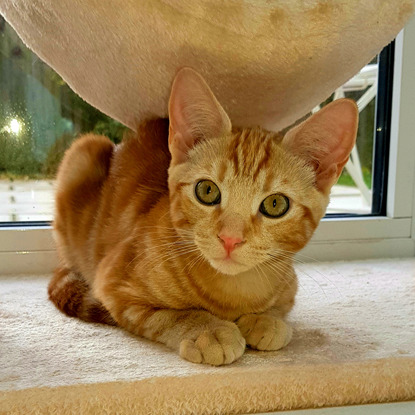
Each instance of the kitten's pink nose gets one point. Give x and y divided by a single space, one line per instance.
230 242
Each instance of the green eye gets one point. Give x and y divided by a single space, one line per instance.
274 206
207 192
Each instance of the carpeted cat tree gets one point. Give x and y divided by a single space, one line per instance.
268 63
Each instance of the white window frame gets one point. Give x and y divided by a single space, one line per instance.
393 235
31 249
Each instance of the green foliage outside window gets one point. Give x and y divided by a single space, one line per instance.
39 114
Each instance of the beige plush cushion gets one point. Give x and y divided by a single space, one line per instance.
268 62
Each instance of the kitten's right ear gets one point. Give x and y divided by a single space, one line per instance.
195 114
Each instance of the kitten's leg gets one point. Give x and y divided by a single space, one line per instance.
265 331
197 335
268 330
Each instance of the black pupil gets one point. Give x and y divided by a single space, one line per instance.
208 190
274 203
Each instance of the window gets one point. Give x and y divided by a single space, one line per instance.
39 118
362 187
40 115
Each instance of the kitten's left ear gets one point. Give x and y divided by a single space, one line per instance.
325 140
195 114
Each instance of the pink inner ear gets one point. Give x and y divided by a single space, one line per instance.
194 114
181 138
325 140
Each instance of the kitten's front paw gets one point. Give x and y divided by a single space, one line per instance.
264 332
218 345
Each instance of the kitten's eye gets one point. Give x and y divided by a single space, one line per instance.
207 192
274 206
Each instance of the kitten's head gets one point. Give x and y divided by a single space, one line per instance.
245 196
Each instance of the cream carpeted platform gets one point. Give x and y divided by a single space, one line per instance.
354 343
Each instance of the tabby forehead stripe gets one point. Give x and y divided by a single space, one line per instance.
247 150
263 164
233 152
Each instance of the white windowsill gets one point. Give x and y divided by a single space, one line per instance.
32 249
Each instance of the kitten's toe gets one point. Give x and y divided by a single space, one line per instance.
218 346
190 352
232 343
264 332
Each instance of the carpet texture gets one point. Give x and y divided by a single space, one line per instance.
353 343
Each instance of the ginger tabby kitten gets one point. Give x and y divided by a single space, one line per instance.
185 233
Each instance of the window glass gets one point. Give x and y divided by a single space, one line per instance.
353 191
40 116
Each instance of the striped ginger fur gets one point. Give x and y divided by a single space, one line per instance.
139 250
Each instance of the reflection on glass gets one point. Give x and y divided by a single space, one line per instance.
39 118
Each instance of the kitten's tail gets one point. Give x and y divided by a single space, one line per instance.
72 295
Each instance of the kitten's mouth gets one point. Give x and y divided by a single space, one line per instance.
226 259
228 265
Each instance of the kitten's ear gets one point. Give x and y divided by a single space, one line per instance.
325 140
195 114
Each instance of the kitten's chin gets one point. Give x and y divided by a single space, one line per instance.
228 266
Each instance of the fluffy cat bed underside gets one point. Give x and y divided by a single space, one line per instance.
353 343
268 62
